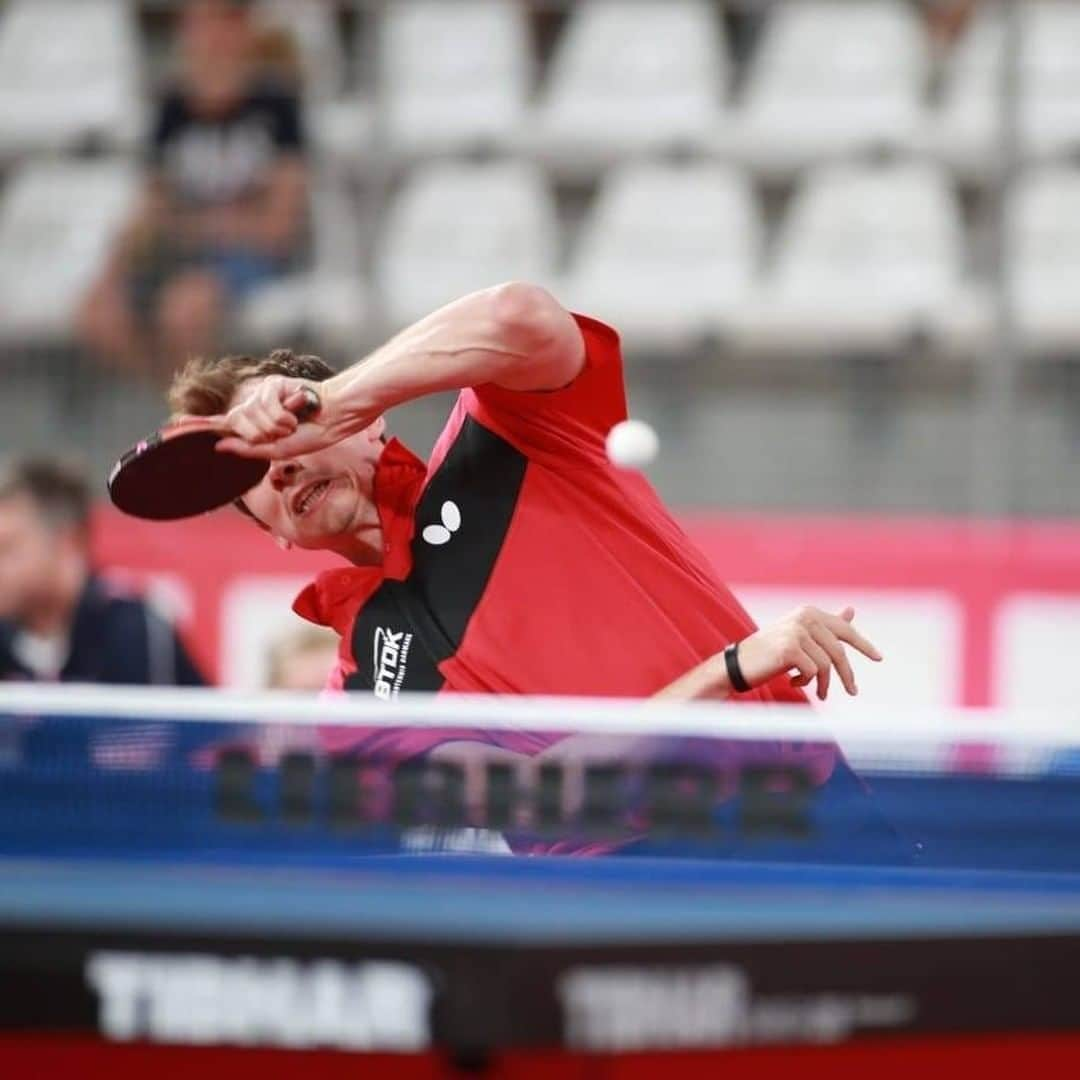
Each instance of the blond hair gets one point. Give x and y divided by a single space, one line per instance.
206 387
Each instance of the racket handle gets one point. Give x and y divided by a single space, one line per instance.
310 407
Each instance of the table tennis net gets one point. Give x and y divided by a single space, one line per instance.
103 772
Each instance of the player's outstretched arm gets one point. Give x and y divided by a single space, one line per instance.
516 335
809 641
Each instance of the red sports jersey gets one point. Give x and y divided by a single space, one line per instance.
520 560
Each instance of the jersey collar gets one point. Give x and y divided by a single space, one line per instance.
335 596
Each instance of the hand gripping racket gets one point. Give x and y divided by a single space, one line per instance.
177 473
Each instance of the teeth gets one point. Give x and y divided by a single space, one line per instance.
306 501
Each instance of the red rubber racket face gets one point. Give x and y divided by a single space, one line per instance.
177 473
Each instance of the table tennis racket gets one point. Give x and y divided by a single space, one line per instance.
176 472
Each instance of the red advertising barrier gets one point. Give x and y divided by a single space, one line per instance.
985 1056
976 569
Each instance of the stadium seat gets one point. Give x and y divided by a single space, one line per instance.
668 253
1051 78
69 73
456 226
452 76
631 76
870 256
57 219
832 78
969 126
1044 245
966 124
313 29
329 302
341 124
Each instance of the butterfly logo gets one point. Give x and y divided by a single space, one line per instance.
451 522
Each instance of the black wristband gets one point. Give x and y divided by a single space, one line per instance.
735 675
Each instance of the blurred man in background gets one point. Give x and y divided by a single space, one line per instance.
58 619
225 203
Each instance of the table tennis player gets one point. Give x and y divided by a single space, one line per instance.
518 559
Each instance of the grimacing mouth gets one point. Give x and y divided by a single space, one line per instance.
297 502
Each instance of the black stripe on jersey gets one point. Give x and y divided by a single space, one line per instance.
387 648
454 552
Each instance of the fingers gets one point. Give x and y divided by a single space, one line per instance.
823 664
809 644
303 403
303 441
267 409
242 448
842 628
806 667
258 424
832 652
219 422
272 412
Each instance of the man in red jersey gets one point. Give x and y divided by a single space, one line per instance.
518 559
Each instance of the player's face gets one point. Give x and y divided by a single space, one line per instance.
324 500
29 551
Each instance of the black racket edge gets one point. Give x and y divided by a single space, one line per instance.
130 455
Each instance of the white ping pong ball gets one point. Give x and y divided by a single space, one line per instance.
633 444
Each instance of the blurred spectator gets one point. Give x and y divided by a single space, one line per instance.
225 202
302 659
946 20
58 619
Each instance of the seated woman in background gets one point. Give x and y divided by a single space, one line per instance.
224 206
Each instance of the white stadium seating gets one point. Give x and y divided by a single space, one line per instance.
831 78
629 78
685 236
57 219
1051 78
669 252
868 257
967 121
313 30
457 226
69 72
1044 258
452 76
330 302
340 122
969 129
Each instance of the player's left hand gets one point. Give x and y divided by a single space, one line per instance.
809 642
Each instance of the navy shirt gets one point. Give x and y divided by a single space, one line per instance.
115 638
216 160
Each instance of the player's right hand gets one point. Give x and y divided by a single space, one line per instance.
278 417
808 644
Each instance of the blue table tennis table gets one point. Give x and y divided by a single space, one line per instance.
908 910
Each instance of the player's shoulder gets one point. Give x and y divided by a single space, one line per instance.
597 330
